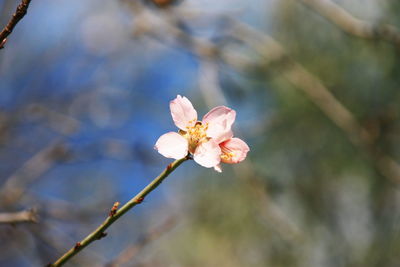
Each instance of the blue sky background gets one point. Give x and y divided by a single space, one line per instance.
126 86
77 58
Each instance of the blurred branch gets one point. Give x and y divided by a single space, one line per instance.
343 118
21 11
18 217
55 237
116 213
210 53
129 253
354 26
296 74
62 210
57 121
15 185
272 52
315 90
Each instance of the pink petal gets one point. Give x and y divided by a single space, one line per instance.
183 113
172 145
208 154
234 150
219 120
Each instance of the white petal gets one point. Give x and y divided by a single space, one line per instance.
208 154
183 113
219 121
172 145
218 168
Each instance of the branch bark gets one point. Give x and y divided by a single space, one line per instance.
18 217
21 11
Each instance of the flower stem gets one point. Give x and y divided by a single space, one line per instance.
115 214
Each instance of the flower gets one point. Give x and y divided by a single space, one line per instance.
210 141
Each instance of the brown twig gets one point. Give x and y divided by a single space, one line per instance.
21 11
18 217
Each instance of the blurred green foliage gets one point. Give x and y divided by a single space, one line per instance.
344 211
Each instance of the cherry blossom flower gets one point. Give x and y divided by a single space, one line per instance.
209 141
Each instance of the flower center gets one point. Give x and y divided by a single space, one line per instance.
195 135
227 155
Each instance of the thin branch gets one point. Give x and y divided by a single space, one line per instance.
21 11
18 217
116 213
55 237
354 26
35 167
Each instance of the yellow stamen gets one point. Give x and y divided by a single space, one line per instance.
195 134
227 156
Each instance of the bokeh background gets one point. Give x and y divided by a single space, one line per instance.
84 93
